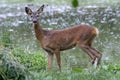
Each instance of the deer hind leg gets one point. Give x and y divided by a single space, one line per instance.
88 51
96 53
57 54
93 50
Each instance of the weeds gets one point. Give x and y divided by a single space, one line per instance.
17 63
10 68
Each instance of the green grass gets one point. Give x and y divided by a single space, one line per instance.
16 63
16 67
87 74
33 61
64 2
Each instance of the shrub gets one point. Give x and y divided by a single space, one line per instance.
15 64
10 68
33 61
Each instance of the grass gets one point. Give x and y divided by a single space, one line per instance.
87 74
33 61
15 65
64 2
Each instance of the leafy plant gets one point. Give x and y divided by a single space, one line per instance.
10 68
75 3
6 40
33 61
16 63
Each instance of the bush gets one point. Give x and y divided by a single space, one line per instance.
33 61
10 68
15 64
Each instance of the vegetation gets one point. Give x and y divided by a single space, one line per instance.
73 3
16 63
21 57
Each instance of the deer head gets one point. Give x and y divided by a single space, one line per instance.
34 15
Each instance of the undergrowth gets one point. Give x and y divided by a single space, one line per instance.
18 64
15 64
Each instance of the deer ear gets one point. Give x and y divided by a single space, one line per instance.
28 10
40 9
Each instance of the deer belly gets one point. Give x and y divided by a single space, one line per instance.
67 46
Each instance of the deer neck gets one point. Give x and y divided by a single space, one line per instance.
38 31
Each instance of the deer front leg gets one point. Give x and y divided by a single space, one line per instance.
57 53
50 61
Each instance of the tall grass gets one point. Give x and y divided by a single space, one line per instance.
16 63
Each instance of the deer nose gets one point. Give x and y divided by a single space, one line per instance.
34 21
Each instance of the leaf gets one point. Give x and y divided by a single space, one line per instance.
78 69
75 3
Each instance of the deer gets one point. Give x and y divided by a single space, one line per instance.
55 41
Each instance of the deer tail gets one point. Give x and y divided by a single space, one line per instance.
95 31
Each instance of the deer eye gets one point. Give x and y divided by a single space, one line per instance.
37 15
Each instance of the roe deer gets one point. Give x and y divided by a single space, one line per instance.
54 41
